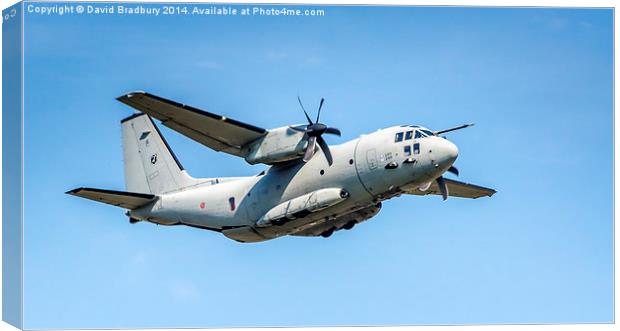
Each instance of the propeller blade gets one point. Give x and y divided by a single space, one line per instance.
326 151
333 131
304 109
301 128
453 129
454 170
310 149
443 188
318 115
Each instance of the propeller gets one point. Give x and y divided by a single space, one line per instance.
441 182
443 188
315 130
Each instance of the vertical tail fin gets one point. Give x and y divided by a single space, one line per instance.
150 164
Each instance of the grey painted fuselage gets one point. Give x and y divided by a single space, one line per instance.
370 169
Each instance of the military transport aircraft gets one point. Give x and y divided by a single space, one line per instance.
310 188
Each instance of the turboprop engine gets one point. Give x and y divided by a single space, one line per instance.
278 145
292 142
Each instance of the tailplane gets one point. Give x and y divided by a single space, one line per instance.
127 200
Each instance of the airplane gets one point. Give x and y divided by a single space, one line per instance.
309 189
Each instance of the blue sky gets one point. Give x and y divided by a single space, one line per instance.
537 83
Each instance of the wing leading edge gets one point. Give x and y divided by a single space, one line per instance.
214 131
457 189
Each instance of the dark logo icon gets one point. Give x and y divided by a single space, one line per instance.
154 158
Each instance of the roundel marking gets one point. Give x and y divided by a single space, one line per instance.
202 205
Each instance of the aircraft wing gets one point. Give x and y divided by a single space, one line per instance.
457 189
214 131
127 200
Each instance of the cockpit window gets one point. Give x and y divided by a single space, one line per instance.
407 150
416 148
421 133
409 135
399 137
428 133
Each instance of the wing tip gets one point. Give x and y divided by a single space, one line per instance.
491 192
74 191
131 94
127 96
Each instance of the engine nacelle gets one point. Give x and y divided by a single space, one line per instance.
278 145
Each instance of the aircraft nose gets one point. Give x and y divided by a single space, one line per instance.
451 150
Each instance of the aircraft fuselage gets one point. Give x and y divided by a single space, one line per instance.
369 169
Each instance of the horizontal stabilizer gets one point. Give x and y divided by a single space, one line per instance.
127 200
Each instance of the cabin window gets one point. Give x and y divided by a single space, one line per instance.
416 148
407 150
409 135
231 202
399 137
